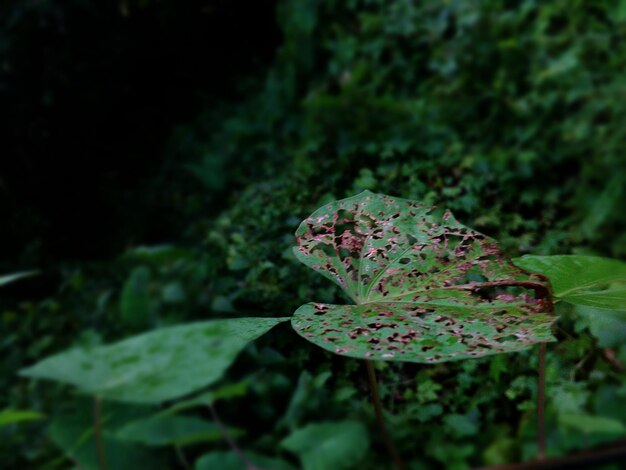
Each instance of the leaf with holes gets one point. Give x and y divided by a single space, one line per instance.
426 288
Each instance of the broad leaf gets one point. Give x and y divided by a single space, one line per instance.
426 288
582 280
155 366
329 445
609 326
73 433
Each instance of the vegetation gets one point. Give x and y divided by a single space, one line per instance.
165 274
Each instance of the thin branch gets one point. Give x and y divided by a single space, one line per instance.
380 420
541 403
579 365
592 458
181 458
231 441
97 432
610 356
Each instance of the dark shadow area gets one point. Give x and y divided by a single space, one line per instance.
90 92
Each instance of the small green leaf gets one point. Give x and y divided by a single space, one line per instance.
329 445
159 253
500 451
426 288
230 461
609 326
590 424
238 389
73 434
582 280
9 416
8 278
461 425
136 302
176 430
156 366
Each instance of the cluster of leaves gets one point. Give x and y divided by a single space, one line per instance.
437 314
507 115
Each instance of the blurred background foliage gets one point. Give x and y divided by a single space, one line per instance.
157 157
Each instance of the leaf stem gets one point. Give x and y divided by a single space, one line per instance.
591 458
541 403
231 441
181 457
378 409
97 432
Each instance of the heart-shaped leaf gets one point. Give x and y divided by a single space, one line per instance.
426 288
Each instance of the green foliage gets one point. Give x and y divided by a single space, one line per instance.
582 280
608 326
427 288
329 445
595 285
10 417
9 278
161 430
231 461
589 424
72 431
155 366
136 304
509 114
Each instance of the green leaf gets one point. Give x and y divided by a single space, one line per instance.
609 326
500 451
136 302
73 434
9 416
9 278
230 461
426 288
238 389
159 253
582 280
461 425
176 430
156 366
590 424
329 445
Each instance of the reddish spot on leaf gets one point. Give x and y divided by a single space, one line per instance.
426 288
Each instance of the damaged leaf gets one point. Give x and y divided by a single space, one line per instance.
426 288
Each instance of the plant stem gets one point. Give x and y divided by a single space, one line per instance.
97 432
231 442
541 403
378 409
181 457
